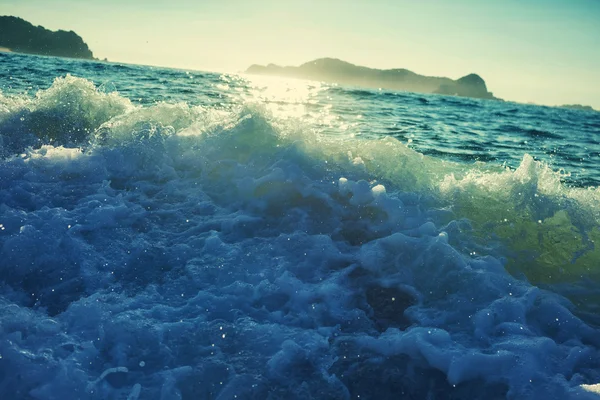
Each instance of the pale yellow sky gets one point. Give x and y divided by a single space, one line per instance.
546 52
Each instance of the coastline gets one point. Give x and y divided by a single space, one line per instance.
5 50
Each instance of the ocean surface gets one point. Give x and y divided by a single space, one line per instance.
174 234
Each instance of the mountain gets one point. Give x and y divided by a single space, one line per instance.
20 36
332 70
577 107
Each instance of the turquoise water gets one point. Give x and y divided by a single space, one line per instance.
454 128
182 234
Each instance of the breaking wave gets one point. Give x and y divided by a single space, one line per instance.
176 251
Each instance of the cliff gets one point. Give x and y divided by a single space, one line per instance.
332 70
20 36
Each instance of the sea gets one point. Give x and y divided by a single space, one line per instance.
178 234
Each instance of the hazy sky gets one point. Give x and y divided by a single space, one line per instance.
545 51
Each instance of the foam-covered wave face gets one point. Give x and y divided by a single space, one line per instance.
546 229
200 253
550 229
67 114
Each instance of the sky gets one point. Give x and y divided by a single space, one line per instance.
542 51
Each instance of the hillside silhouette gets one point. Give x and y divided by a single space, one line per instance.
332 70
21 36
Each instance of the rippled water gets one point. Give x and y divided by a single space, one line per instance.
454 128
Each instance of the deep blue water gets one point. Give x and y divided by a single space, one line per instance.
171 234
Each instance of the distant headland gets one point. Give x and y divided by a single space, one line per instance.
20 36
332 70
578 107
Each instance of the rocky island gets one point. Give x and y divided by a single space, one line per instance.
20 36
579 107
332 70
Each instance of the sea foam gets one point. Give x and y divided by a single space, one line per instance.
171 251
